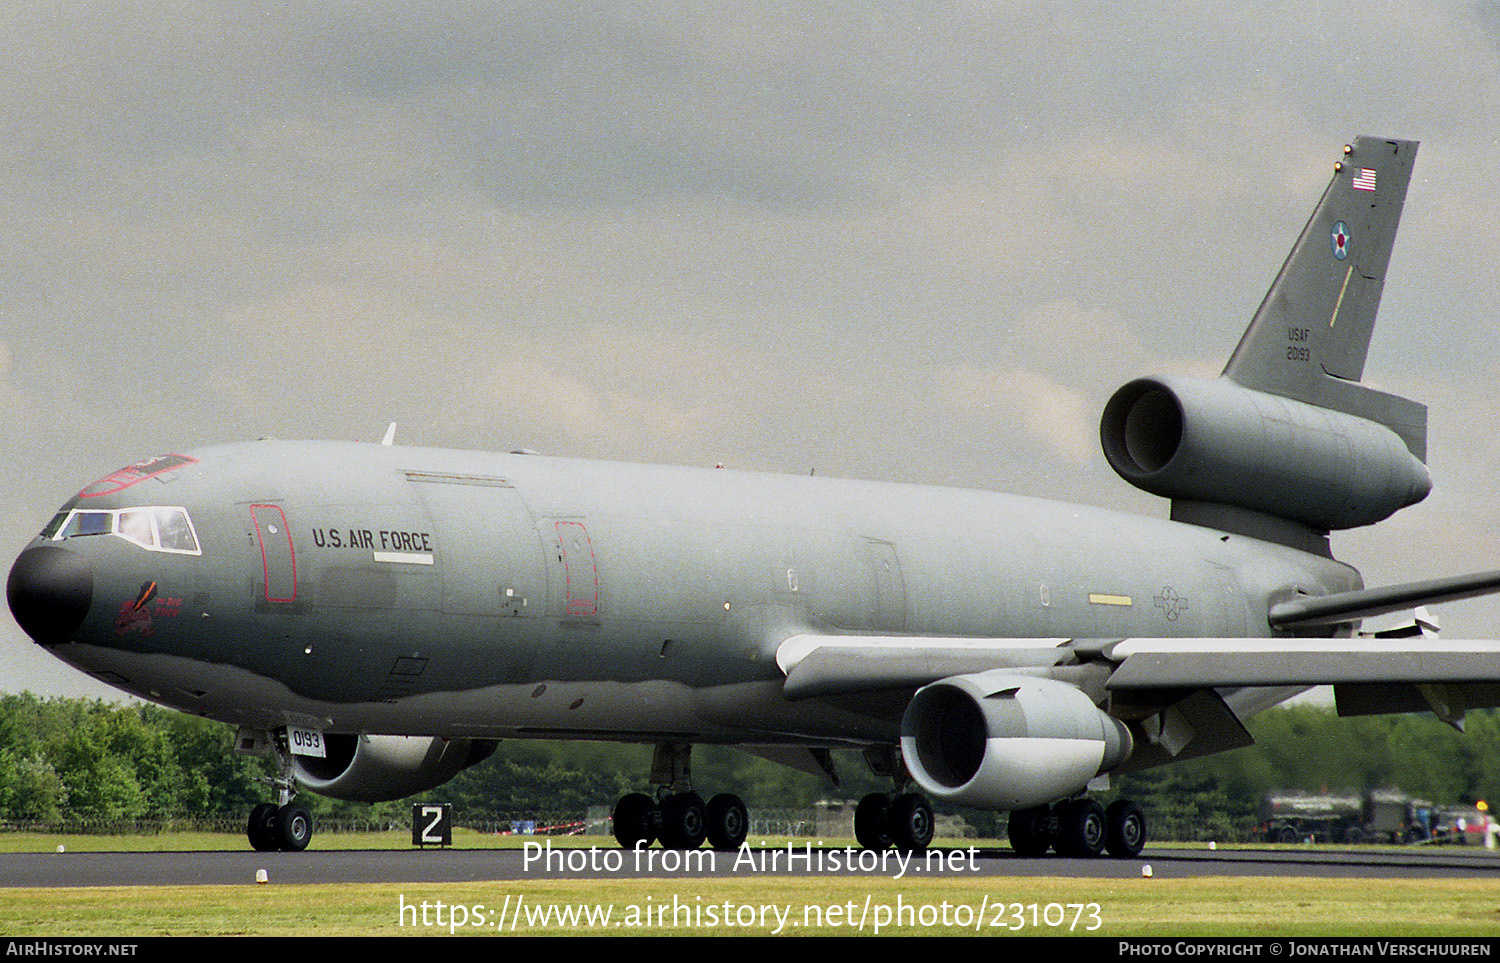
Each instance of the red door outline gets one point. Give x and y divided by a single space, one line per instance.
580 575
277 556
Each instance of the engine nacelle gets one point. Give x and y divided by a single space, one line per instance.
376 768
1215 441
1002 741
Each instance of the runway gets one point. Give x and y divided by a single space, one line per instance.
798 859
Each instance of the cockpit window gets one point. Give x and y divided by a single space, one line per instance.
154 528
54 526
135 527
173 530
88 523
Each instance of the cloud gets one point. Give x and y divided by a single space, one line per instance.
994 397
551 403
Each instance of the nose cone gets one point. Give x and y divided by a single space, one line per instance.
49 591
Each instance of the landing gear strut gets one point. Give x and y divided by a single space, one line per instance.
280 825
678 816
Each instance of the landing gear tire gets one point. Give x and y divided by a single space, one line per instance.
1030 831
684 821
636 820
1080 829
872 828
910 823
294 829
264 829
1125 834
728 822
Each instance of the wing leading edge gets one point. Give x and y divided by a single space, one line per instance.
1194 663
1369 674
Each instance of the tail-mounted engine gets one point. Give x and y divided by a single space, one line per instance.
1002 741
1218 442
375 768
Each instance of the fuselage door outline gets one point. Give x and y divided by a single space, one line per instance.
278 557
580 573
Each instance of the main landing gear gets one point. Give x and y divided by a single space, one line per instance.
1079 828
280 825
900 818
678 816
903 820
682 821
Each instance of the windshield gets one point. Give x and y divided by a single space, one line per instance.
156 528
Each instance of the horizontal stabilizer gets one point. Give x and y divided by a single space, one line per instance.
1344 607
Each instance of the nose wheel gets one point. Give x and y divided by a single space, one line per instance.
287 828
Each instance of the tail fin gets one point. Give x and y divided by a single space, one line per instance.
1287 445
1309 339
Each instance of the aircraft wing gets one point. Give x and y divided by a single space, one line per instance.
818 665
1181 663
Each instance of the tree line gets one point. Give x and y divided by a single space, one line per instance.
77 761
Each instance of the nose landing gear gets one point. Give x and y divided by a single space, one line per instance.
281 825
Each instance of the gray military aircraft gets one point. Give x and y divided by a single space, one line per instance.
377 617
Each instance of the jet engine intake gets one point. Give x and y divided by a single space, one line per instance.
1215 441
997 740
376 768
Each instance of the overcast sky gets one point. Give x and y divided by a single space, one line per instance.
906 240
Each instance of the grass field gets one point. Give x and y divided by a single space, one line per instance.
758 905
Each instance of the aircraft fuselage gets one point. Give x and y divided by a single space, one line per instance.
367 588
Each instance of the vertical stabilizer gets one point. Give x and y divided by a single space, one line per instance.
1287 445
1309 339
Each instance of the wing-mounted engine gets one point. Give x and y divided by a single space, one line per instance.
1221 443
376 768
998 740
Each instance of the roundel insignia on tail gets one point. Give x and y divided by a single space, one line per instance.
1340 239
